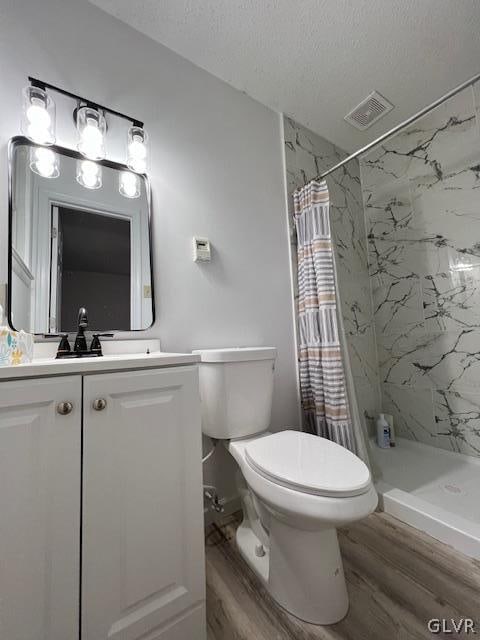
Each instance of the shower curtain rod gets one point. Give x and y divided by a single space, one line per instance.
400 126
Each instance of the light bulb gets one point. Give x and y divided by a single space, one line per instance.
38 116
89 171
92 141
44 162
138 150
36 133
138 156
129 184
89 174
91 126
138 165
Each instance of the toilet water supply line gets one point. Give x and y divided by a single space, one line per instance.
209 490
212 450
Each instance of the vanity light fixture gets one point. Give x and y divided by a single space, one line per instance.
38 124
91 127
129 184
44 161
89 174
137 149
38 116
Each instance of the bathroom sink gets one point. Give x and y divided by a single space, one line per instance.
118 355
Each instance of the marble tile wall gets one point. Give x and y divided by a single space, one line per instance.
307 155
421 192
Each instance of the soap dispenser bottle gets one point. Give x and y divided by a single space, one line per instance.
383 432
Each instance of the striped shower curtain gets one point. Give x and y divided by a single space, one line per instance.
322 375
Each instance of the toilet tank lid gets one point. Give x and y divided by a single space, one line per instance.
236 354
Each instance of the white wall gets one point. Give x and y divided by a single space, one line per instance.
216 171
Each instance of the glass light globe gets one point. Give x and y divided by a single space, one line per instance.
38 116
129 184
92 141
137 149
44 162
89 174
91 128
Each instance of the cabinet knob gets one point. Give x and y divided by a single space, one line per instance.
64 408
99 404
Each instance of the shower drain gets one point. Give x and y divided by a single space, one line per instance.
453 488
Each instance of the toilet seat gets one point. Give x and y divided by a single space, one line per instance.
304 510
308 464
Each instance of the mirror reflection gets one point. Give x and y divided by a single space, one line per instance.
79 238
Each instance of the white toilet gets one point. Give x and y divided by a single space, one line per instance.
296 488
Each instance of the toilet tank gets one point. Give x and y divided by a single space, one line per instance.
236 388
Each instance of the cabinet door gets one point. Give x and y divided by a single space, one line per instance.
40 509
143 554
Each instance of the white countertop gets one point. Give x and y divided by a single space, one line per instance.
47 365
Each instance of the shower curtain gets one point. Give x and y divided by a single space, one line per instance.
322 375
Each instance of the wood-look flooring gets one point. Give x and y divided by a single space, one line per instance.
398 578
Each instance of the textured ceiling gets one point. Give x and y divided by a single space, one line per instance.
316 59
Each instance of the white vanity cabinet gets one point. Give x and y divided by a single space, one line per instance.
142 506
40 453
101 521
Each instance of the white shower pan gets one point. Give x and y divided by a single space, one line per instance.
433 490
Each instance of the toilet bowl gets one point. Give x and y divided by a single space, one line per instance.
296 488
304 505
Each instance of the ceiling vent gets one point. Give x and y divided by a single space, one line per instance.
374 107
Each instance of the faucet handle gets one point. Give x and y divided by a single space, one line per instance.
96 345
64 346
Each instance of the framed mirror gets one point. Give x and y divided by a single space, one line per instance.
79 236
